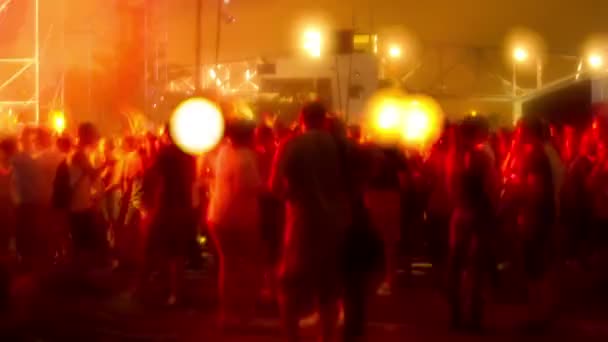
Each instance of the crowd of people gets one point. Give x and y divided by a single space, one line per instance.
316 217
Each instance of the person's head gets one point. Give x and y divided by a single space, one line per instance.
27 139
336 127
64 144
264 136
474 130
532 130
241 134
313 116
44 139
129 143
88 136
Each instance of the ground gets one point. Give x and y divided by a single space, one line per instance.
54 309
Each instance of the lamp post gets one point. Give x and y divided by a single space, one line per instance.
520 55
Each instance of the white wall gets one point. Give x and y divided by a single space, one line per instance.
363 72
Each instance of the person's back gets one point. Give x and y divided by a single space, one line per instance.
48 161
316 201
307 175
177 172
25 179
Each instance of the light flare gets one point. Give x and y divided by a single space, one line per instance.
197 126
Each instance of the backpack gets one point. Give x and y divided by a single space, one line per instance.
62 188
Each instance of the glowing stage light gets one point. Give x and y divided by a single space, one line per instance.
416 125
197 126
595 61
389 116
58 121
394 51
394 118
312 42
422 122
520 54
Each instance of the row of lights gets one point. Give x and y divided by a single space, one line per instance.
313 45
595 60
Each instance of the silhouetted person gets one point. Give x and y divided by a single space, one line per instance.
473 188
307 174
168 192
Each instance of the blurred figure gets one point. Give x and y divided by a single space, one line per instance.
48 160
307 174
27 178
383 199
536 217
167 206
363 259
272 212
88 234
439 208
473 186
234 218
129 178
576 199
8 147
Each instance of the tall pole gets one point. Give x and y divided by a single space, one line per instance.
146 56
37 59
514 82
218 34
539 73
63 54
197 46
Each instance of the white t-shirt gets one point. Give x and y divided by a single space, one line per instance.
236 188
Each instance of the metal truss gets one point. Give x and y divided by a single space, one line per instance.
25 64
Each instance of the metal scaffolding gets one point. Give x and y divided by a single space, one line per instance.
25 64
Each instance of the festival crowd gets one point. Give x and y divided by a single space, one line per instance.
316 217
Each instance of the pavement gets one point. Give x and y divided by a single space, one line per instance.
53 309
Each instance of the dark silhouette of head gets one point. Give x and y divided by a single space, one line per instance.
44 138
64 144
474 130
532 129
313 116
241 133
88 136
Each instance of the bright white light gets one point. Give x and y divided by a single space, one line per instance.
197 126
595 61
212 74
394 51
520 54
416 125
248 75
312 42
390 117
